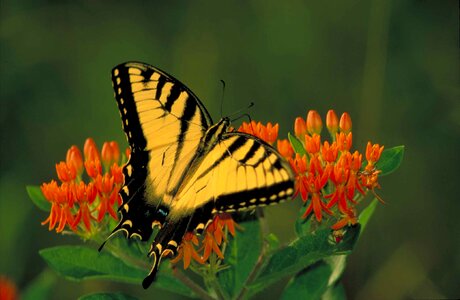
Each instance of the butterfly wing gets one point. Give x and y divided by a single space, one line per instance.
240 172
164 123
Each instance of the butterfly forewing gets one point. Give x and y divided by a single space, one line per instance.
162 117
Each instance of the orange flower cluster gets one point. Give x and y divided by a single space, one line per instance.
73 201
210 242
267 133
328 174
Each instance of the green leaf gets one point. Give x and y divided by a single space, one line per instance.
107 296
302 225
40 287
302 253
366 214
36 195
310 283
336 292
337 264
79 262
241 255
390 160
296 144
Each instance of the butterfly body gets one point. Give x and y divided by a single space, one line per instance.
184 169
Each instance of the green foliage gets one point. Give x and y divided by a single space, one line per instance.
79 262
390 160
302 253
107 296
310 283
241 253
36 195
296 144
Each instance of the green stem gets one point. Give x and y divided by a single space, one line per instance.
211 277
198 290
261 259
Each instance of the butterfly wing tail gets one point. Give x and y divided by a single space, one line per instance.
165 244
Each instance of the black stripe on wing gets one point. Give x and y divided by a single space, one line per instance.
267 194
127 106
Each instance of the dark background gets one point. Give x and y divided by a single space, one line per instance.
393 65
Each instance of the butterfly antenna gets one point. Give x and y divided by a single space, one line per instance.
222 99
239 111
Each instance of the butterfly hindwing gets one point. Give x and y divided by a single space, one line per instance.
239 172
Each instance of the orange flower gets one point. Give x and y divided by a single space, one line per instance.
93 168
339 176
186 250
267 133
90 150
214 235
314 123
85 195
345 123
316 204
74 200
332 122
299 166
373 152
74 158
8 290
300 127
284 148
312 143
349 218
110 153
344 141
66 172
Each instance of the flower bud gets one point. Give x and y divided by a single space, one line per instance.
284 148
314 123
332 122
345 123
90 150
75 159
373 152
300 127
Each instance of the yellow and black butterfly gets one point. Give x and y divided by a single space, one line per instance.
183 168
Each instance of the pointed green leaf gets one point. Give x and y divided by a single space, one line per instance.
390 160
241 255
107 296
296 144
302 253
310 283
366 214
79 262
36 195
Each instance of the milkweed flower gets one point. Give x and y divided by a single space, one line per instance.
329 176
77 204
200 248
267 133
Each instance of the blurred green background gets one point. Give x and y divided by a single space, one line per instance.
393 65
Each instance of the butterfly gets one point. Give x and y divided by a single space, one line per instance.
183 168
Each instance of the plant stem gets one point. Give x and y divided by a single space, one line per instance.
261 259
199 291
